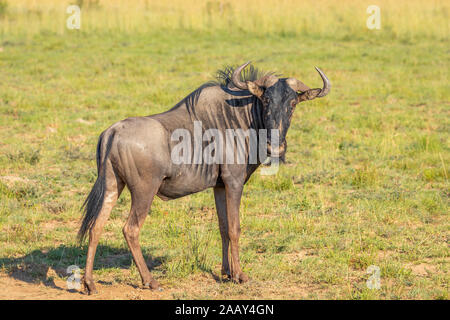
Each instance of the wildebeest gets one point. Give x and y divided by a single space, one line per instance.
137 152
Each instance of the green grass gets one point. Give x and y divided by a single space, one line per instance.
366 179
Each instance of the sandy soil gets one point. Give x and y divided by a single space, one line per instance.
196 287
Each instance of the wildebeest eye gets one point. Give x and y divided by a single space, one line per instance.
293 103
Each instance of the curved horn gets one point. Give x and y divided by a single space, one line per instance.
326 84
236 77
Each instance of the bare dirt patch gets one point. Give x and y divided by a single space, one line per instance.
10 180
206 287
423 269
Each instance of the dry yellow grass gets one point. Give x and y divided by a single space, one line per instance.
319 17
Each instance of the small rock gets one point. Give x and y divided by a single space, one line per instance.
51 129
84 121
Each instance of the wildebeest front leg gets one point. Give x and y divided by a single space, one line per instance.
221 208
233 193
141 200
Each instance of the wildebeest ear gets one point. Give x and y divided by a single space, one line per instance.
308 95
255 89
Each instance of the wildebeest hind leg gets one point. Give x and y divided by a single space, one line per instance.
142 195
113 189
221 208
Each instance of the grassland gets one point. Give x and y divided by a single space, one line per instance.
366 179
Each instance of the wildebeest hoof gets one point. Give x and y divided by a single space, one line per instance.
240 278
89 287
226 274
153 284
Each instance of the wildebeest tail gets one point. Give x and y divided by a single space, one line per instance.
94 201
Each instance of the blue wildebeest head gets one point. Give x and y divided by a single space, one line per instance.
279 96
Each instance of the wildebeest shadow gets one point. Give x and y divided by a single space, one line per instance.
41 266
218 277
